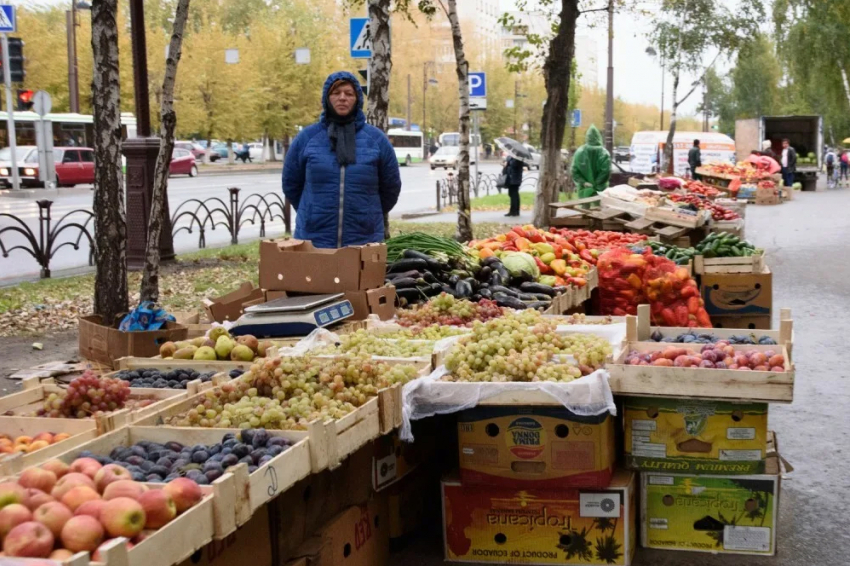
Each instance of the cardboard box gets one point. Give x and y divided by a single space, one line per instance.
409 503
694 436
535 447
767 196
231 306
392 460
379 301
739 294
249 545
533 526
359 536
716 514
748 322
105 344
295 265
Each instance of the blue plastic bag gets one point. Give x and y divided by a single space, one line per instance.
145 317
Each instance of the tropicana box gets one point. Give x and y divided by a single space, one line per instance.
738 294
296 265
540 447
694 436
497 525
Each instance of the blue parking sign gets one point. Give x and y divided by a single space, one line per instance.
575 119
477 85
8 22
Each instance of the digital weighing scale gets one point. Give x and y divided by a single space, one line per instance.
293 316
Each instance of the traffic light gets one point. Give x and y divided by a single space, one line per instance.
25 100
364 87
16 59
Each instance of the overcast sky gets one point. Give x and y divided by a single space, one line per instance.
637 76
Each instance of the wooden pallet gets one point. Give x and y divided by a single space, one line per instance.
746 264
679 382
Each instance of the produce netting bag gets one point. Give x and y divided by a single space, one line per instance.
430 396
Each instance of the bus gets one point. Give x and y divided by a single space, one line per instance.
453 138
407 144
68 129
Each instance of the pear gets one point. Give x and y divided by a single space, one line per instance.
218 331
185 353
242 353
249 341
197 342
223 346
205 353
182 344
263 347
209 343
167 350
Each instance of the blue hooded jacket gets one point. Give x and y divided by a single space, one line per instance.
341 206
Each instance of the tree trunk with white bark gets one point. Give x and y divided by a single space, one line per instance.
668 164
168 121
110 247
556 74
464 213
380 65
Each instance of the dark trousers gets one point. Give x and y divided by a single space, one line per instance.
513 193
787 177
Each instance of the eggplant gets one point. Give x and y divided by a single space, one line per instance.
510 302
526 297
538 305
463 289
406 264
542 297
405 282
532 287
473 283
475 298
485 293
453 279
412 273
495 279
448 290
490 261
501 289
433 289
411 295
433 264
484 273
502 271
523 277
484 285
429 277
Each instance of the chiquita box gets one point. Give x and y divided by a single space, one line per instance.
693 436
540 447
496 525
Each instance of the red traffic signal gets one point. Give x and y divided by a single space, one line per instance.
25 100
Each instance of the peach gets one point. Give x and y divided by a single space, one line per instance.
79 495
11 492
37 478
776 360
58 467
69 481
124 488
184 492
30 540
11 516
36 498
60 554
60 437
159 508
91 508
23 440
82 533
53 516
37 445
109 474
87 466
123 517
45 436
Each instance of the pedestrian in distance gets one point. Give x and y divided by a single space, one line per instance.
341 174
695 159
244 154
513 179
767 150
788 162
830 160
844 166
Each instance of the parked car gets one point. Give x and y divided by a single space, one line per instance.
183 163
196 149
256 151
218 150
447 157
535 156
74 166
621 154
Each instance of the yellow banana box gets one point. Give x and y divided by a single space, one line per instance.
717 514
694 436
498 525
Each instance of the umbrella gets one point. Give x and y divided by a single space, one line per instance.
515 149
846 141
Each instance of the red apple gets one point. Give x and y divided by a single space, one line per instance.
36 498
58 467
60 554
68 482
82 533
123 517
124 488
87 466
91 508
109 474
11 492
184 492
45 436
30 539
11 516
159 508
37 478
53 516
79 495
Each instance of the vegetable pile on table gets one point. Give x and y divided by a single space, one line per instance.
591 243
627 279
699 188
718 212
679 256
724 244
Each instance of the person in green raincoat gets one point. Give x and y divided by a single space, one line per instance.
591 165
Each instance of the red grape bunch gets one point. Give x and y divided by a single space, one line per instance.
444 309
87 396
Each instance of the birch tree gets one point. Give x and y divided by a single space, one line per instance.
168 121
110 287
464 213
380 65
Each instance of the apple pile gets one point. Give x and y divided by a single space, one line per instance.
712 356
56 510
27 444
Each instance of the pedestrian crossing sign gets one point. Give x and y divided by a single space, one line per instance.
8 22
360 38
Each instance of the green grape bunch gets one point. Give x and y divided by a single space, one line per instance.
362 342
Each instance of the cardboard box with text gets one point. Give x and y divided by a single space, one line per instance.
738 294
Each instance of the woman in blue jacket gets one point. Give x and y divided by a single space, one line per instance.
341 174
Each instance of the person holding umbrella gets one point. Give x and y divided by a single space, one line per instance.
517 156
591 165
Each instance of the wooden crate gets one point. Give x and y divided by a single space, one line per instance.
81 431
574 296
639 329
748 264
756 386
167 365
674 218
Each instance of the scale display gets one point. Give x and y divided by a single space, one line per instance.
293 316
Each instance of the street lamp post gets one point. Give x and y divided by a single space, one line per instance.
425 82
609 95
73 67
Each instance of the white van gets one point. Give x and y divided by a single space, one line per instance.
647 150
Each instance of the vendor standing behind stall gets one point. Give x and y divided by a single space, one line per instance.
789 163
591 167
695 160
341 174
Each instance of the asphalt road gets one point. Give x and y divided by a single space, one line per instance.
418 193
